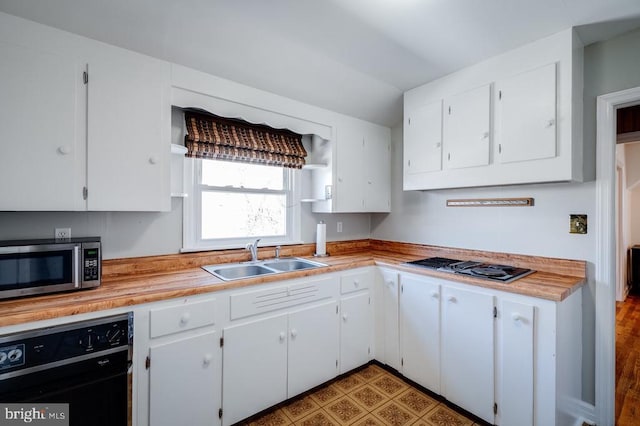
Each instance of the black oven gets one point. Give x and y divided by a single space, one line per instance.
84 364
29 267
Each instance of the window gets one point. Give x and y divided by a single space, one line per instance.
232 203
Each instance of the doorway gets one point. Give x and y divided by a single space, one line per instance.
608 246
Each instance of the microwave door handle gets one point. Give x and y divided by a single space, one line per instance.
76 269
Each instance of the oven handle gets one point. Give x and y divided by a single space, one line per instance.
77 266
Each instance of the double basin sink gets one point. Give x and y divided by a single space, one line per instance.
237 271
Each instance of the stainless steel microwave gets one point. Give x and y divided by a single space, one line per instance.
29 267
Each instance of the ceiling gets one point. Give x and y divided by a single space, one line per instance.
351 56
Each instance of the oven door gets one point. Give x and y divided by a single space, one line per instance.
26 270
97 390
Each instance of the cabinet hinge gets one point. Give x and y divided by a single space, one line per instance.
336 363
369 350
147 363
495 312
402 362
220 413
448 156
449 110
221 341
409 121
369 300
499 148
499 94
336 309
495 408
85 193
85 77
401 288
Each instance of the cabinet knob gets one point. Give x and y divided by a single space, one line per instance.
551 122
438 145
64 149
518 318
451 299
485 135
356 283
282 336
369 182
294 332
207 360
340 179
344 317
184 318
153 160
390 283
435 295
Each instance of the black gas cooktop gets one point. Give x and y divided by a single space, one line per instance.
489 271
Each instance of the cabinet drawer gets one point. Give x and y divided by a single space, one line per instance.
355 281
260 301
174 319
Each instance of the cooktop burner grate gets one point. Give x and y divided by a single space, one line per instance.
502 273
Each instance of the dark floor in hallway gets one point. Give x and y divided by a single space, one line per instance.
628 361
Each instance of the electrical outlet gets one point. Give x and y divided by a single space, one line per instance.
339 227
63 233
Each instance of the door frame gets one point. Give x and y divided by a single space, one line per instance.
605 265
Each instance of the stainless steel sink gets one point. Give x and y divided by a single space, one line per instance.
293 264
236 271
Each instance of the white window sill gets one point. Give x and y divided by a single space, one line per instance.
237 246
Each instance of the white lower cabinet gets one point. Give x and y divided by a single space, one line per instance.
390 291
269 360
355 330
254 367
420 331
182 381
467 350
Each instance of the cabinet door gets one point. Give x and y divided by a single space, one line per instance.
377 154
313 347
42 165
350 169
355 331
254 367
420 331
526 116
129 132
391 328
517 325
467 128
423 139
467 356
184 385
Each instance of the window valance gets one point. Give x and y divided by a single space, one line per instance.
214 137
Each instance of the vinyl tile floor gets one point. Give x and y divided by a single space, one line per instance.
369 397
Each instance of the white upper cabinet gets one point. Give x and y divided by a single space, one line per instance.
84 125
422 139
128 131
42 116
512 119
467 128
526 115
361 169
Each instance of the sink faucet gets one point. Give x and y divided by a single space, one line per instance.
253 248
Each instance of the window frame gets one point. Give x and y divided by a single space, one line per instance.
192 210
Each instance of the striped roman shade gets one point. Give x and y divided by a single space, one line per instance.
210 136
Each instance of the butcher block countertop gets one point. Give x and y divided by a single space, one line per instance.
133 281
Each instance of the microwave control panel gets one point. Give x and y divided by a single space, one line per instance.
91 257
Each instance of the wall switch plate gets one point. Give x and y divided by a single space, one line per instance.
578 223
63 233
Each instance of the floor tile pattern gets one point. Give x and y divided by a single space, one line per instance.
369 397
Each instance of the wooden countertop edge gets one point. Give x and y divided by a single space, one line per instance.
122 291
